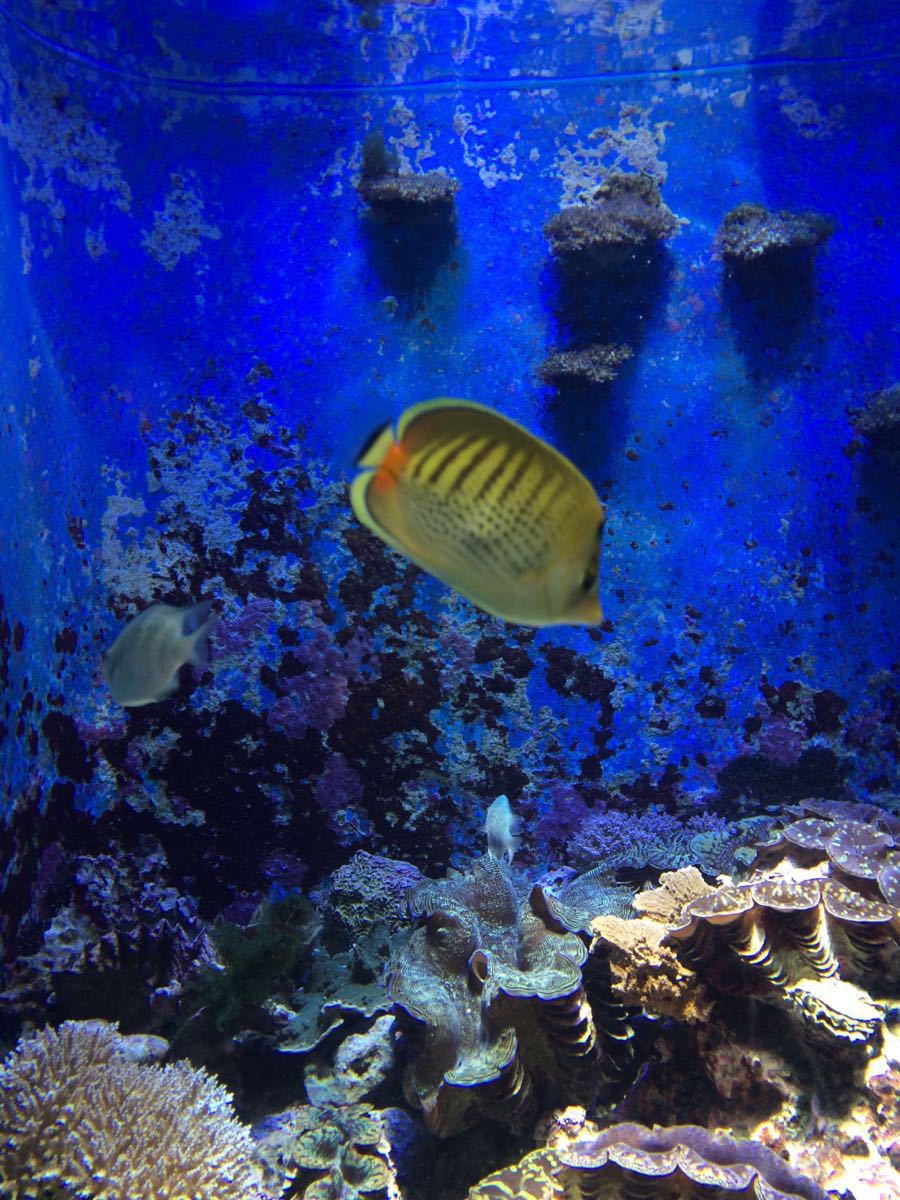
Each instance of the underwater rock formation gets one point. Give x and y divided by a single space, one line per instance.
629 1159
82 1113
393 195
327 1153
624 213
751 233
362 1062
878 420
599 363
126 946
492 976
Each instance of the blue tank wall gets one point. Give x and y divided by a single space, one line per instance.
201 325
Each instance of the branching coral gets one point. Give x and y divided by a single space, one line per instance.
618 840
79 1116
493 979
628 1159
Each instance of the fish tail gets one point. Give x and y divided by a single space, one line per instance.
192 618
198 651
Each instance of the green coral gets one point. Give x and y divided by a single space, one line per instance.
257 961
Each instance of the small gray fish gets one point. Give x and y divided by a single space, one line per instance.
143 662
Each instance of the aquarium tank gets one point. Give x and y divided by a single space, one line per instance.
448 600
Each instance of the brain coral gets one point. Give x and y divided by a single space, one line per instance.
632 1160
492 977
81 1115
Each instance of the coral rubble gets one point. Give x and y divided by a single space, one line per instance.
82 1115
624 213
594 364
878 420
751 233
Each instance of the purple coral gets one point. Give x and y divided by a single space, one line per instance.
316 695
339 793
234 635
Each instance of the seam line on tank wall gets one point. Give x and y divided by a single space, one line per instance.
523 83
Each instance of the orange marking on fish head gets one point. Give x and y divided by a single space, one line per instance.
391 467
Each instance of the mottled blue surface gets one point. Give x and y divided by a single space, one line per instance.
181 233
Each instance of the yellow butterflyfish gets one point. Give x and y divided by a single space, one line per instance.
488 508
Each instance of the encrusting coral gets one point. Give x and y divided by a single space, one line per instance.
599 363
751 232
492 978
629 1159
625 212
81 1115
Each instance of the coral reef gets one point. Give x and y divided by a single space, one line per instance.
393 195
82 1115
328 1153
654 838
127 945
858 843
625 212
599 363
878 420
751 233
630 1159
362 1062
494 982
